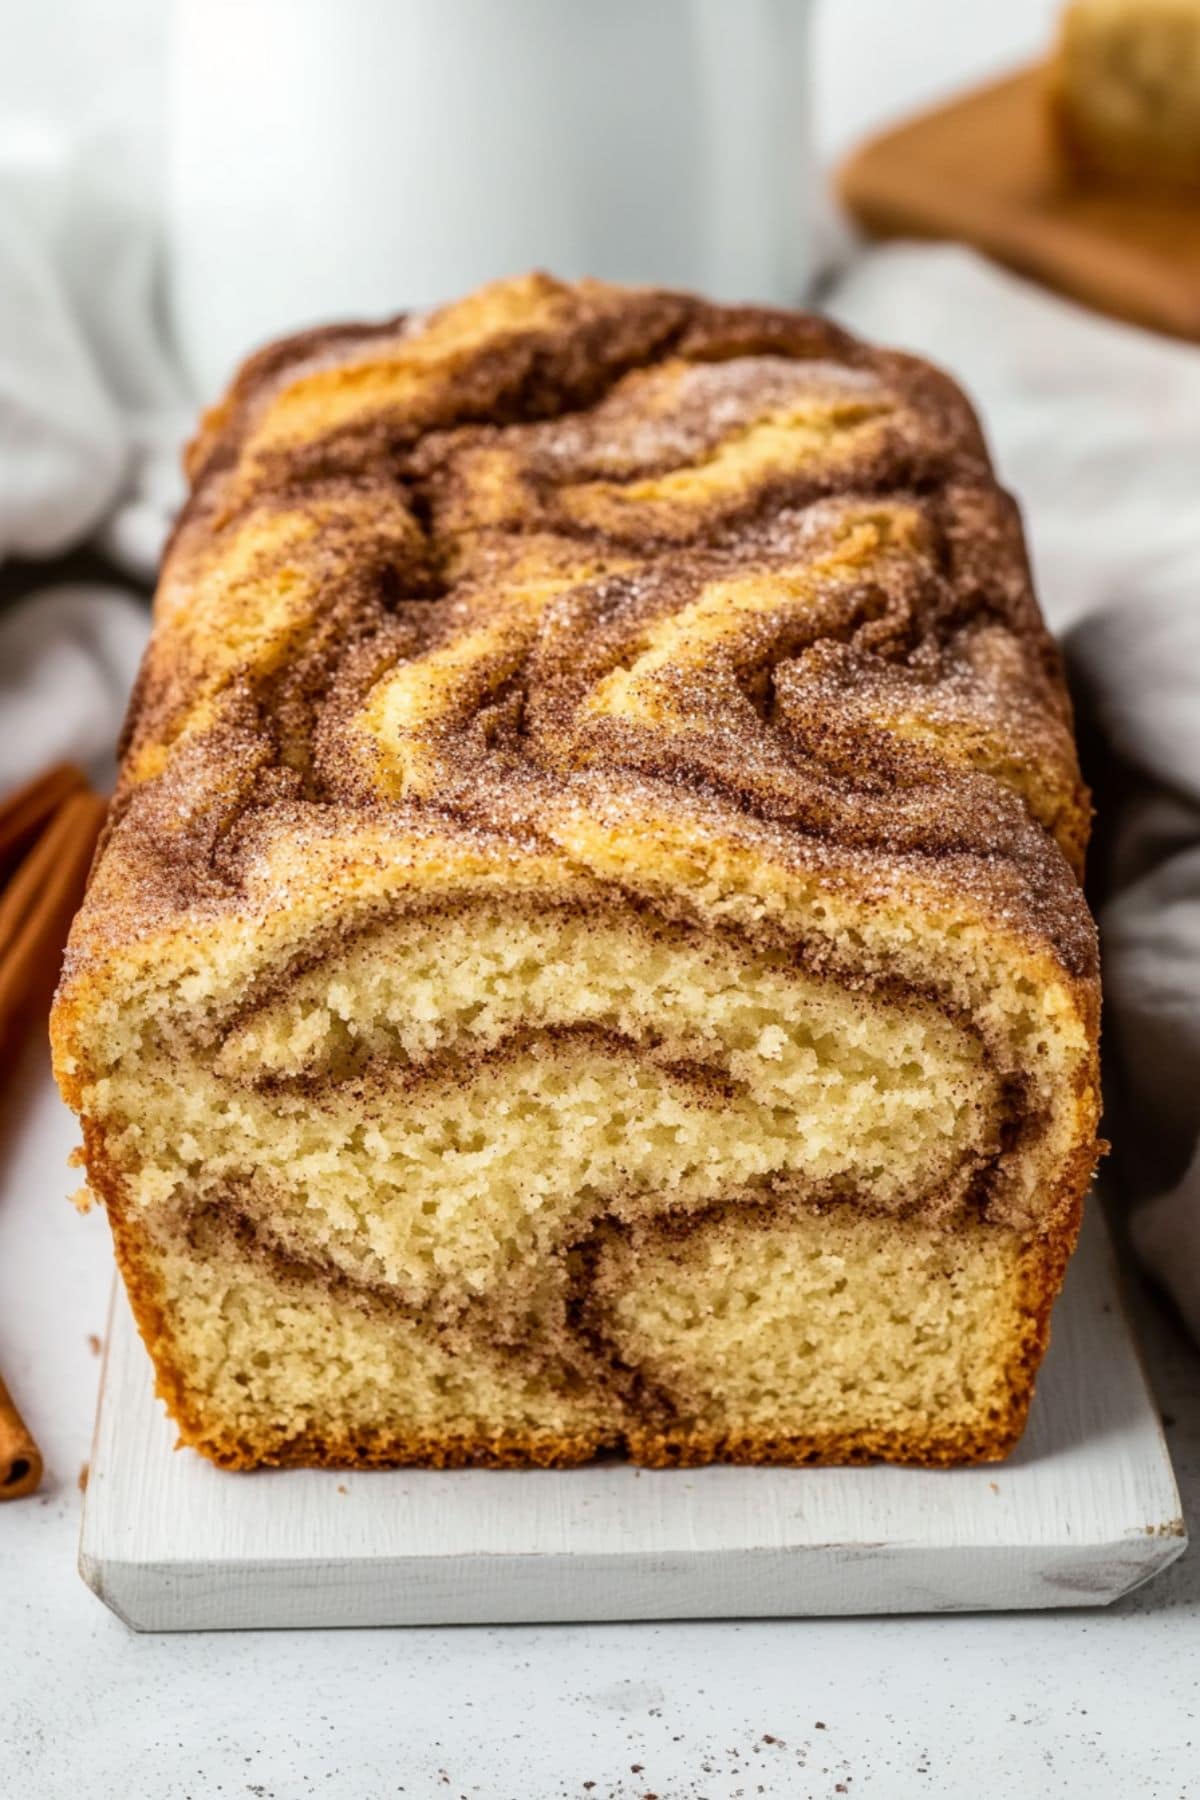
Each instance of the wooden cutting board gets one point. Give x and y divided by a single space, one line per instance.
983 170
1085 1510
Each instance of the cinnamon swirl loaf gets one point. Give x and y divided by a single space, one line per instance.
588 952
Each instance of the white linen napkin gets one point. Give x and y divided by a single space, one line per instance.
92 414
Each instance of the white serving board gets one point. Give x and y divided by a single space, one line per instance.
1085 1510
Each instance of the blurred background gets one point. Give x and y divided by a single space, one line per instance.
80 63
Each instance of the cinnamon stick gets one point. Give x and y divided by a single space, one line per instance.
36 909
20 1458
25 812
53 823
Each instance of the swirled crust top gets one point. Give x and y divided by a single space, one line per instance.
599 769
555 548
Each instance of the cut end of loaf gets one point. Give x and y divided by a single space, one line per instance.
755 1337
529 1179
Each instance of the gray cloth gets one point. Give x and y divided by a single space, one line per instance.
1096 427
92 414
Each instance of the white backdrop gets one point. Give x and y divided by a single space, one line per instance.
99 61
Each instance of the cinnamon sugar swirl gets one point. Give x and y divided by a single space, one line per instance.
588 952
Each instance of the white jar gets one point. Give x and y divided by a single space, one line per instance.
333 158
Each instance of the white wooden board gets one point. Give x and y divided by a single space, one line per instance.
1085 1510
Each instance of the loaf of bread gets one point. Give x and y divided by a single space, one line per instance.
588 954
1125 88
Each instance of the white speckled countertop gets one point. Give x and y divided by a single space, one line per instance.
1073 1703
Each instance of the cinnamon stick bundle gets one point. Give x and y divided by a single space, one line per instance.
48 833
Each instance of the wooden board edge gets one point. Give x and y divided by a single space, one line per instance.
876 150
880 191
527 1590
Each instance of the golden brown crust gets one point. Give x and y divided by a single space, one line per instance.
464 563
